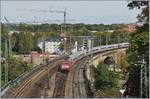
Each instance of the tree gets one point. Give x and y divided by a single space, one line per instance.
13 39
84 31
36 38
122 62
37 49
28 42
103 79
4 36
61 47
15 68
144 15
139 47
24 43
22 27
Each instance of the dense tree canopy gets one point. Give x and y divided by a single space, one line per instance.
15 68
139 50
27 36
103 78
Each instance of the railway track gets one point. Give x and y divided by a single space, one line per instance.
26 83
77 86
59 90
89 90
26 86
60 83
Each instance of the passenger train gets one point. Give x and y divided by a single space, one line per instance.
67 63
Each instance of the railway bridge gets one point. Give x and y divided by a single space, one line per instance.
35 84
108 57
108 53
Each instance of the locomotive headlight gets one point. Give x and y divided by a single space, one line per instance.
65 38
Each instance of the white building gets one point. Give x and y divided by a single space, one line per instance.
75 47
40 45
51 45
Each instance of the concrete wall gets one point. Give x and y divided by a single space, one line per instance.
25 58
39 58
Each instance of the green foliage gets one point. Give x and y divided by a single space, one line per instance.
3 36
15 68
28 38
139 47
61 47
144 15
36 38
37 49
2 82
138 41
84 31
103 79
112 38
24 43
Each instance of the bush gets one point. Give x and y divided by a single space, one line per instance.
103 78
15 68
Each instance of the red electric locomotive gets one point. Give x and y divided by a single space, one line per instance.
65 65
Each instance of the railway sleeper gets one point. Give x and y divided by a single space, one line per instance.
59 90
76 92
75 85
82 90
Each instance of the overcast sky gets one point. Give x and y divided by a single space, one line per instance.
91 12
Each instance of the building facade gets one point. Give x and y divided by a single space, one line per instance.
38 58
50 45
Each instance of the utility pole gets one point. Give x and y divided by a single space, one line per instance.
100 41
143 80
45 59
9 35
118 39
6 62
48 80
7 52
106 40
70 44
125 37
109 39
10 52
65 34
43 49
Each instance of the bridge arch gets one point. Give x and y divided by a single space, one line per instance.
109 60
